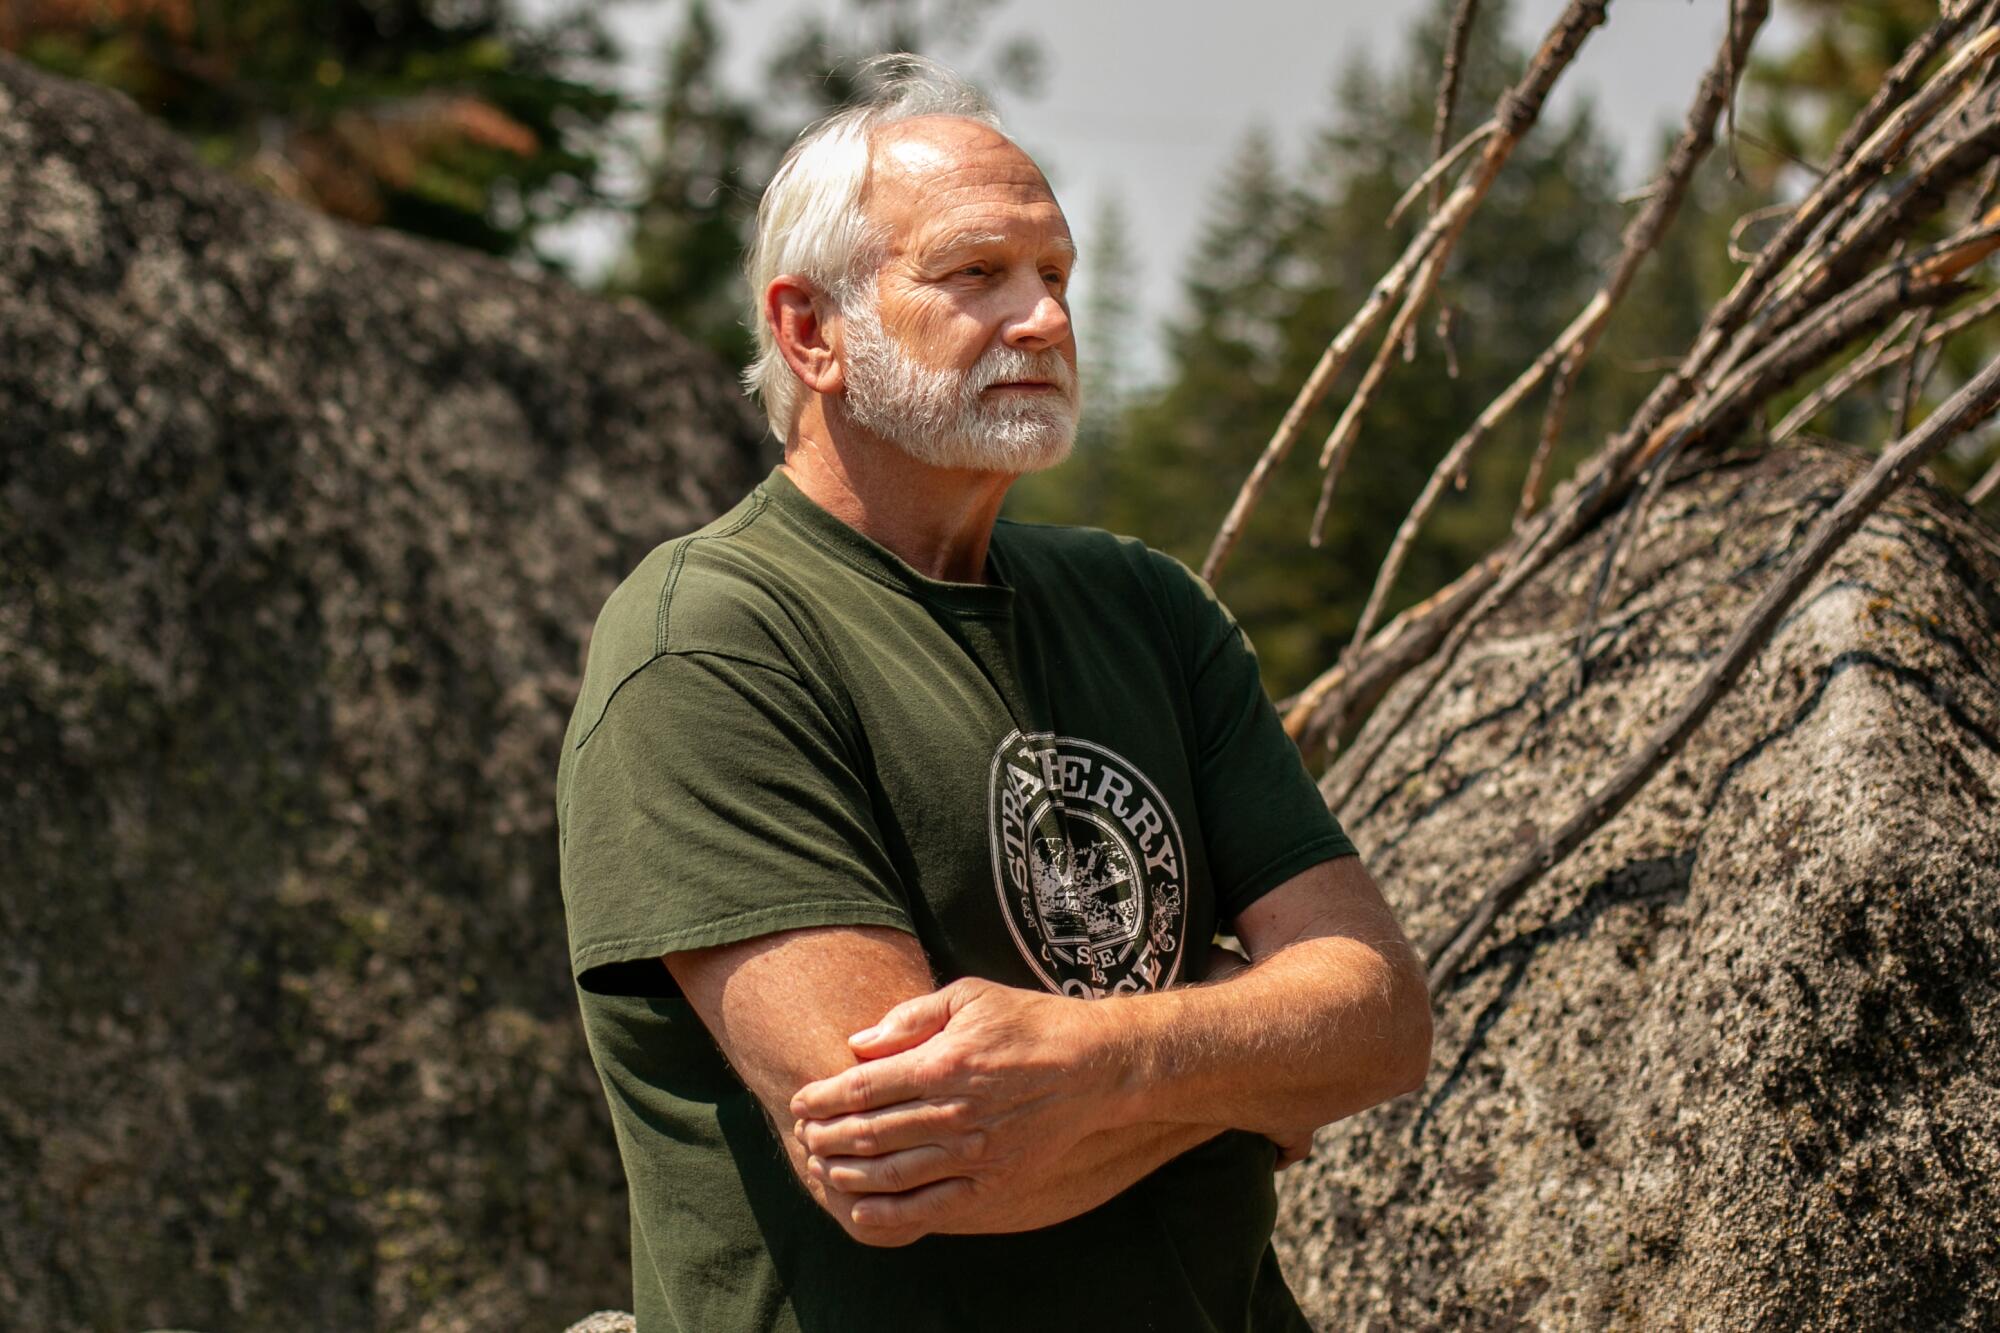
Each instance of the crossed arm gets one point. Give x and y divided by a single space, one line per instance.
909 1110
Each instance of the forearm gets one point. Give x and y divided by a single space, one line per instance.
973 1104
1099 1167
1317 1031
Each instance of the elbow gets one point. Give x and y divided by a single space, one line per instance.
1394 1059
1412 1027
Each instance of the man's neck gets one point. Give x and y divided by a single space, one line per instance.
938 520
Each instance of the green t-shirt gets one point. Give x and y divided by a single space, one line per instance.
1067 777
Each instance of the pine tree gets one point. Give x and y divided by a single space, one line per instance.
714 150
1106 328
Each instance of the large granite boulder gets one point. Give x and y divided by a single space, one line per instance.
301 532
1735 1064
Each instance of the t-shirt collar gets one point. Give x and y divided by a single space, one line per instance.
870 557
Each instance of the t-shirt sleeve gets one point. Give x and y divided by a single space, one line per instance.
1262 815
715 800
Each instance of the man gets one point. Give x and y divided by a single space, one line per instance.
896 836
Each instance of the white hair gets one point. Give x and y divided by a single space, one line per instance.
811 221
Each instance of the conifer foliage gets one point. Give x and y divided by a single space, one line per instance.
1293 240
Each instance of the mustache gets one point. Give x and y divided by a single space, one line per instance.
1003 364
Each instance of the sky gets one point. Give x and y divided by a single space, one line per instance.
1147 101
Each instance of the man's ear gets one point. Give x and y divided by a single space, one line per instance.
800 317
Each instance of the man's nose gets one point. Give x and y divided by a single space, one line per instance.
1043 323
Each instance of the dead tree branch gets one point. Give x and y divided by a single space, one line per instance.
1879 354
1631 522
1872 141
1642 237
1985 486
1573 346
1517 112
1333 455
1886 351
1817 285
1912 384
1454 58
1717 412
1444 163
1922 192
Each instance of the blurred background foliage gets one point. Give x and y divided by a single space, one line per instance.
451 119
476 122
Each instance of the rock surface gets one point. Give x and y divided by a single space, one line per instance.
1737 1063
301 532
604 1321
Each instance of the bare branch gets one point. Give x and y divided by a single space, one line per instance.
1451 468
1321 709
1899 462
1911 387
1869 145
1878 355
1985 486
1716 413
1447 323
1902 76
1887 352
1922 191
1759 141
1811 290
1643 234
1989 182
1737 251
1388 288
1925 278
1437 169
1729 107
1531 548
1454 57
1631 522
1333 455
1518 109
1642 237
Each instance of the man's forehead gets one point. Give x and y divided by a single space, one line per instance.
943 179
928 146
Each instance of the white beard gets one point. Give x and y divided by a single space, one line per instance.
938 416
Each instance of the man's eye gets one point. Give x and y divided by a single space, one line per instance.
976 270
1056 276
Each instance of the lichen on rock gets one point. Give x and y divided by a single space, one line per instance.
1734 1063
303 530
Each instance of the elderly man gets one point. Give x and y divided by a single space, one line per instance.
897 836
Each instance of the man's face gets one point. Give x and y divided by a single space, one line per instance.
961 352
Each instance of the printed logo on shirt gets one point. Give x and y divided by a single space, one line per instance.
1089 866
